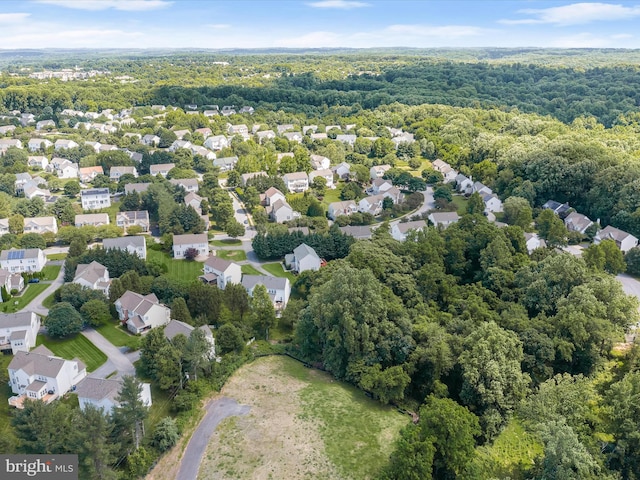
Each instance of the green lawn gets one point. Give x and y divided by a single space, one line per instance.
49 301
50 272
5 394
277 270
57 256
232 255
29 293
227 242
119 336
73 347
181 269
112 211
461 204
331 196
250 270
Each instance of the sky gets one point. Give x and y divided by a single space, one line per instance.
223 24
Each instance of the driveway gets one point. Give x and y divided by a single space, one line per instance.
117 361
429 203
36 303
217 410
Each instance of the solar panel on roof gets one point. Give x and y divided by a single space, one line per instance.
15 255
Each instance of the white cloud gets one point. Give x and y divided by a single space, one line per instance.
125 5
575 14
445 31
341 4
13 17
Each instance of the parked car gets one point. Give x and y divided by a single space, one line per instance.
34 280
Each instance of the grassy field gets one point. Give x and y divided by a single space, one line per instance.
119 336
250 270
277 270
5 394
227 242
112 211
333 195
57 256
49 301
77 346
181 269
461 204
302 424
50 272
232 255
29 293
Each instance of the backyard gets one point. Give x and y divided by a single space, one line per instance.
77 346
186 270
118 336
277 270
5 393
232 255
250 270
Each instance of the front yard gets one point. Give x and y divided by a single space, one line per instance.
186 270
77 346
232 255
277 270
31 291
119 336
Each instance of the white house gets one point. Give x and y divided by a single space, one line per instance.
95 198
492 203
445 169
265 135
92 219
371 204
65 144
176 327
342 170
221 272
27 260
463 183
625 241
533 242
135 245
278 288
102 393
32 191
135 217
320 162
21 180
189 184
151 140
359 232
341 208
379 185
198 241
7 143
40 225
378 171
216 142
38 161
161 169
303 258
118 171
443 219
326 174
36 144
400 230
225 163
63 168
11 281
280 211
136 187
93 276
40 375
576 222
4 226
18 331
348 139
296 182
141 312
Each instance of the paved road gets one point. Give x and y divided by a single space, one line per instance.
36 303
217 410
117 360
429 203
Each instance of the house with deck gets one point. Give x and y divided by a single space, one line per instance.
135 245
18 331
197 241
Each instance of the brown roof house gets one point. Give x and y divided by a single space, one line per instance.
141 312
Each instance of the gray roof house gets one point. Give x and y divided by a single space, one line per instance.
303 258
18 331
135 245
279 289
102 393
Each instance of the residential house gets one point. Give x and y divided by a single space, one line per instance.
4 226
293 136
203 152
7 129
40 375
135 245
445 169
62 144
280 211
141 313
342 170
379 185
226 163
139 218
7 143
533 242
348 139
178 144
189 184
576 222
38 161
88 174
265 135
272 195
133 135
28 260
136 187
560 209
107 148
443 219
103 393
400 230
197 241
151 140
319 136
63 168
210 113
180 134
92 219
371 204
36 144
161 169
237 129
247 109
11 281
463 183
31 190
492 203
248 176
216 142
481 188
312 128
41 225
326 174
359 232
403 138
625 241
194 201
118 171
378 171
328 128
95 145
284 128
221 272
278 288
93 276
303 258
337 209
296 182
176 327
205 132
18 331
95 198
21 180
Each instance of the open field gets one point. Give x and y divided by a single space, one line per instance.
31 291
181 269
73 347
118 336
277 270
303 424
232 255
250 270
